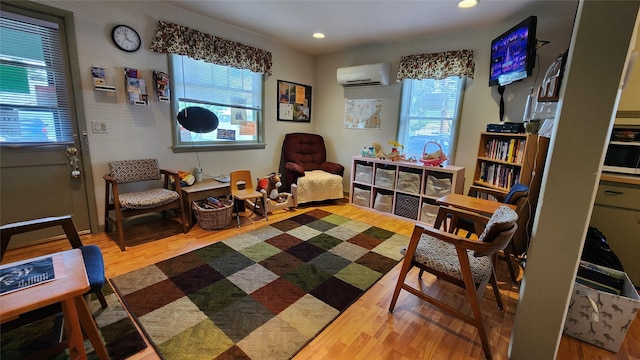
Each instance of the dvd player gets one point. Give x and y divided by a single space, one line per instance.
507 127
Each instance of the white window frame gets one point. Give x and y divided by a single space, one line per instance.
193 93
443 127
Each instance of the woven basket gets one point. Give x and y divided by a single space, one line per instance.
211 219
432 162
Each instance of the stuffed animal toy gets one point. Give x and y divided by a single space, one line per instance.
270 185
186 178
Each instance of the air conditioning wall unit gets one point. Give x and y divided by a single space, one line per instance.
364 75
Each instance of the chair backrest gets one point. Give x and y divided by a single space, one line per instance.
517 191
499 228
242 177
126 171
306 150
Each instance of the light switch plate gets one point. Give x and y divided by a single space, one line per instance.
100 127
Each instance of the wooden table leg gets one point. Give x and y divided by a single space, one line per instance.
90 328
73 330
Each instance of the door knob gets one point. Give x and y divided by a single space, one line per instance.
72 155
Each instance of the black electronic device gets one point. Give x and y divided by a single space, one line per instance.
513 53
507 127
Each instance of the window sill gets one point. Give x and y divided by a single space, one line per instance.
217 147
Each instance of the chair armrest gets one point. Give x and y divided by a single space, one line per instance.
455 214
176 179
332 168
295 168
110 179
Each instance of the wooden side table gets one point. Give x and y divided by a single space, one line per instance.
201 191
470 203
68 288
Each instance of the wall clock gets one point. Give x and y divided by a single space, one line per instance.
126 38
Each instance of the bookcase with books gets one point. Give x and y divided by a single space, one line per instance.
505 159
508 158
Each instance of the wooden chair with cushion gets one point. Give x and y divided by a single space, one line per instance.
461 261
518 195
304 163
156 197
91 254
242 189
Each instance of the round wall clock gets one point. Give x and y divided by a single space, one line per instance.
126 38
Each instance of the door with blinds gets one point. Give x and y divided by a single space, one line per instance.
42 167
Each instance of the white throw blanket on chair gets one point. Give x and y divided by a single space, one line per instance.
318 185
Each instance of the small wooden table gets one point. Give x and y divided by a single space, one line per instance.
201 191
68 288
471 203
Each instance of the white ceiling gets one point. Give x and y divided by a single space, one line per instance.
351 23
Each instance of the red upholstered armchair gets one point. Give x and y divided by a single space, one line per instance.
304 159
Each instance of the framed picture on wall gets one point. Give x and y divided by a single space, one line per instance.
294 102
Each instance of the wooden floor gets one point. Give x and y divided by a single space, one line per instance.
366 330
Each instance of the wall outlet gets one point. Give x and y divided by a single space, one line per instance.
100 127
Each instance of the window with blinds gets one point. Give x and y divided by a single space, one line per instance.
234 95
430 111
34 94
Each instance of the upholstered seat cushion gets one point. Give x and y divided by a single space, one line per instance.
442 256
147 199
318 185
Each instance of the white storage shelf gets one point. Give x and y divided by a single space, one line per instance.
403 189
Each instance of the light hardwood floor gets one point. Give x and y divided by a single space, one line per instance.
366 330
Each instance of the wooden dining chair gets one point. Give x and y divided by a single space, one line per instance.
466 263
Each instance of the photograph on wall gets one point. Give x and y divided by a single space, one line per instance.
294 102
363 114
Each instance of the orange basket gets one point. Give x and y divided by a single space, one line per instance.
432 162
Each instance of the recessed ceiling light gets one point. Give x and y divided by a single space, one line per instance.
467 3
318 35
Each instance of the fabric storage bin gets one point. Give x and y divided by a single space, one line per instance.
364 173
408 182
407 206
429 213
385 178
599 317
437 187
361 197
383 202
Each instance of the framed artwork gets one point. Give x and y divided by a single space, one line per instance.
294 102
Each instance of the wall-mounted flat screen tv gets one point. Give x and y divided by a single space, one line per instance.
513 53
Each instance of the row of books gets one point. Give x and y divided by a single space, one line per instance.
499 175
505 150
600 279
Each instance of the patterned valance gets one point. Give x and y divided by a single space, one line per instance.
176 39
437 66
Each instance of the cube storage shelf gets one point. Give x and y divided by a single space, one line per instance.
404 189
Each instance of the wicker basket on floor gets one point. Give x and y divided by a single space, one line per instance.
217 218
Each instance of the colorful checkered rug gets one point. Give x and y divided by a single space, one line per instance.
263 294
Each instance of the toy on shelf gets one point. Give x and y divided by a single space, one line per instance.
273 199
394 155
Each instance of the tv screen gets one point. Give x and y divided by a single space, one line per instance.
513 53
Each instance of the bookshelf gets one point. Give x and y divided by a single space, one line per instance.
403 189
505 159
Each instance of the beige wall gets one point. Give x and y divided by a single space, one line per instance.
480 104
137 132
140 132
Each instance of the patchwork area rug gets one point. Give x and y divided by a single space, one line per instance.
263 294
121 337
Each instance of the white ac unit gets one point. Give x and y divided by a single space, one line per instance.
364 75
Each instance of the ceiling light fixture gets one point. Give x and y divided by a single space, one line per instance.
467 3
318 35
